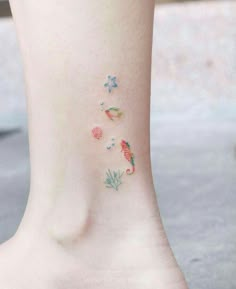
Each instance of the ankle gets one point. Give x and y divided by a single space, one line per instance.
67 214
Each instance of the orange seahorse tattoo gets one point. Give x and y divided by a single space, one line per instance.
125 148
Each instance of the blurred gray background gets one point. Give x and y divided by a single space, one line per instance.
193 127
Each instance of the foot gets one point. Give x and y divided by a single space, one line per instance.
102 255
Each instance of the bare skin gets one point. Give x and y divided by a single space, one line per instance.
77 232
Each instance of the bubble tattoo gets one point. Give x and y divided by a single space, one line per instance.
112 144
102 106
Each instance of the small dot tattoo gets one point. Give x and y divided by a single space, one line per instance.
112 144
102 106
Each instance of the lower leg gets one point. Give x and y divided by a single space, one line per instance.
92 205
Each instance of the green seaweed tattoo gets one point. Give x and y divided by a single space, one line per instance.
113 179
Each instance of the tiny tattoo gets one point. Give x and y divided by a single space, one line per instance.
111 83
112 144
102 106
113 179
97 132
113 112
125 148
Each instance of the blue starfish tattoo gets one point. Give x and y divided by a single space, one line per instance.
111 83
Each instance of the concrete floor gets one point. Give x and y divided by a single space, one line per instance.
193 137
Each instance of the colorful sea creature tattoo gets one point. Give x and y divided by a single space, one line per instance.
113 179
125 148
111 83
113 112
97 132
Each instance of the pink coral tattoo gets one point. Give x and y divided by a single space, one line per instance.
97 132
